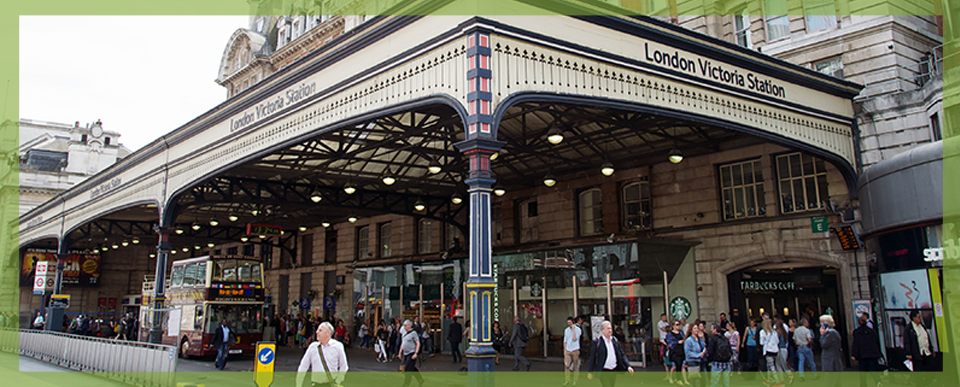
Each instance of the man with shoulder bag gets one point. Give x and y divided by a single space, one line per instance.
409 348
325 358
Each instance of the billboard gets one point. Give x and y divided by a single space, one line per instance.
79 269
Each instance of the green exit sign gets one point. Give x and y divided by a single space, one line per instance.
819 224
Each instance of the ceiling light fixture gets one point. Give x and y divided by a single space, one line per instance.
419 205
210 244
186 249
554 136
255 212
303 228
350 188
325 224
152 255
173 252
136 240
125 243
494 156
196 247
115 246
499 191
607 168
179 231
388 178
195 226
233 217
214 222
434 167
244 238
675 156
456 198
315 196
352 219
549 180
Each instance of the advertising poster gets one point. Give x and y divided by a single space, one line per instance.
78 269
906 290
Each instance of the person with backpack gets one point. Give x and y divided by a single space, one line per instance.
518 339
720 354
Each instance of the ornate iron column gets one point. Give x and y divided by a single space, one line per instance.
479 145
160 279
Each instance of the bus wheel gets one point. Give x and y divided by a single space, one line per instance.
185 348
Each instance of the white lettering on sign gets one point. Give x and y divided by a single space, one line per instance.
766 285
272 105
933 254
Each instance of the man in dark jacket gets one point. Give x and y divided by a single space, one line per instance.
917 344
223 337
866 350
607 357
454 335
518 339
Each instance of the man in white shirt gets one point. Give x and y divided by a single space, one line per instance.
329 369
663 328
571 352
38 322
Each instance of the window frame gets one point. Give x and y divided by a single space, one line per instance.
385 239
363 242
580 211
625 213
756 164
802 178
769 16
825 3
837 59
424 235
743 17
936 126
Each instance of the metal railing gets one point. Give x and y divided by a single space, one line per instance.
132 362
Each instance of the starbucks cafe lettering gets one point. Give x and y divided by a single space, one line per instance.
766 286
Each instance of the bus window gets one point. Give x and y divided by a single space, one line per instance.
176 279
198 319
256 273
202 273
242 318
190 275
226 270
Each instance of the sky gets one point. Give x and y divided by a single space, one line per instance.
142 76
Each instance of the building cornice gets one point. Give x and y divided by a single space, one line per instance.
285 54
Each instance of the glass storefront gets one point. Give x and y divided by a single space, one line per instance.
551 285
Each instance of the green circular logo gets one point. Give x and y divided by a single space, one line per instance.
680 308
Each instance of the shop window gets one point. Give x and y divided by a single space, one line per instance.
363 242
591 212
777 21
386 240
425 236
741 22
937 133
832 67
636 206
803 183
821 14
742 192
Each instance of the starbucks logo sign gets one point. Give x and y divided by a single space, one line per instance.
679 308
536 290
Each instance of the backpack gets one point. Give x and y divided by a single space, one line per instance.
522 333
724 352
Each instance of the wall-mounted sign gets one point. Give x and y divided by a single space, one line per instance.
766 286
848 238
262 229
60 301
680 308
933 254
78 268
819 224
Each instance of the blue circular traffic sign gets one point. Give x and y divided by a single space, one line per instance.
265 356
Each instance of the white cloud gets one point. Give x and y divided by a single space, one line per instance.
143 76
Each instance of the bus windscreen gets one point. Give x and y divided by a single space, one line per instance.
242 318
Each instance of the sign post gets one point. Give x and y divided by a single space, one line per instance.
263 365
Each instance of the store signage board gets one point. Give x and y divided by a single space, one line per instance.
848 238
263 229
60 301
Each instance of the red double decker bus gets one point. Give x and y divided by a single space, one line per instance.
203 291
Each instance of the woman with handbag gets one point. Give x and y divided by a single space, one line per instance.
866 351
497 341
770 344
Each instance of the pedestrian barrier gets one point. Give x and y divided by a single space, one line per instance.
9 340
132 362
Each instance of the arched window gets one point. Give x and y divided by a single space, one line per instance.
591 212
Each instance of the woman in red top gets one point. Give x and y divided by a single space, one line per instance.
341 331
